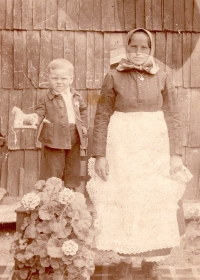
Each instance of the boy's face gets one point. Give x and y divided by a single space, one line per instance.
138 48
60 79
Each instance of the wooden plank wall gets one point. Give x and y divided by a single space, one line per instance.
33 32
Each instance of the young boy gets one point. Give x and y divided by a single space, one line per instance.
65 124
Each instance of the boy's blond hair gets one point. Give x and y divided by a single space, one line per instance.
60 63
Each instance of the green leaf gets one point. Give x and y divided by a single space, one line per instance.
46 212
17 236
27 221
44 276
43 227
24 273
79 203
39 245
21 257
67 259
40 184
79 262
54 248
34 215
31 231
42 270
54 263
28 255
45 262
82 220
58 274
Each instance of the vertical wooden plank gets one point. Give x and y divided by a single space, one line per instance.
4 169
195 58
129 14
4 111
69 49
119 15
57 44
45 57
179 15
184 109
108 15
148 15
72 17
194 131
98 60
40 94
96 25
86 14
0 58
3 14
52 15
33 56
196 16
84 95
27 14
106 47
28 106
93 96
39 15
14 134
177 59
168 12
157 15
80 59
169 62
62 11
9 14
90 60
187 50
7 59
17 14
193 164
160 40
30 170
189 5
15 162
39 164
20 61
140 13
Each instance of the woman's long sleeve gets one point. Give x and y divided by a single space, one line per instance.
172 117
105 108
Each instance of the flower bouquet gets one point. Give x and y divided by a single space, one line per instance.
57 238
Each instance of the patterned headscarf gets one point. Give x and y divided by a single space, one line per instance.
148 66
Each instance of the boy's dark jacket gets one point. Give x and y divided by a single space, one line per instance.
56 134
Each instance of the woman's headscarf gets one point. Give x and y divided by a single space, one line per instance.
148 66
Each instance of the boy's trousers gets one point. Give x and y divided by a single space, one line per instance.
65 164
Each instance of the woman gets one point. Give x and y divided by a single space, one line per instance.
137 149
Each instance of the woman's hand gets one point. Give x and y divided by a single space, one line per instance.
176 164
102 167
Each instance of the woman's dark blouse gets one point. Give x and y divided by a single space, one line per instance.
125 92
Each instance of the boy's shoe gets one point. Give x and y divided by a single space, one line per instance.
123 271
150 270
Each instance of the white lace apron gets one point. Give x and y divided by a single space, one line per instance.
136 207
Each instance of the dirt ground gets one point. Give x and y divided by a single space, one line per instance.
180 256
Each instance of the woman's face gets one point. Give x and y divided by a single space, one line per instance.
138 48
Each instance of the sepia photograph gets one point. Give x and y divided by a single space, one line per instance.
100 139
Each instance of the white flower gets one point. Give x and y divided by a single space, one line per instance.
30 201
66 196
70 248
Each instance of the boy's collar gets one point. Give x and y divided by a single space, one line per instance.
52 94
